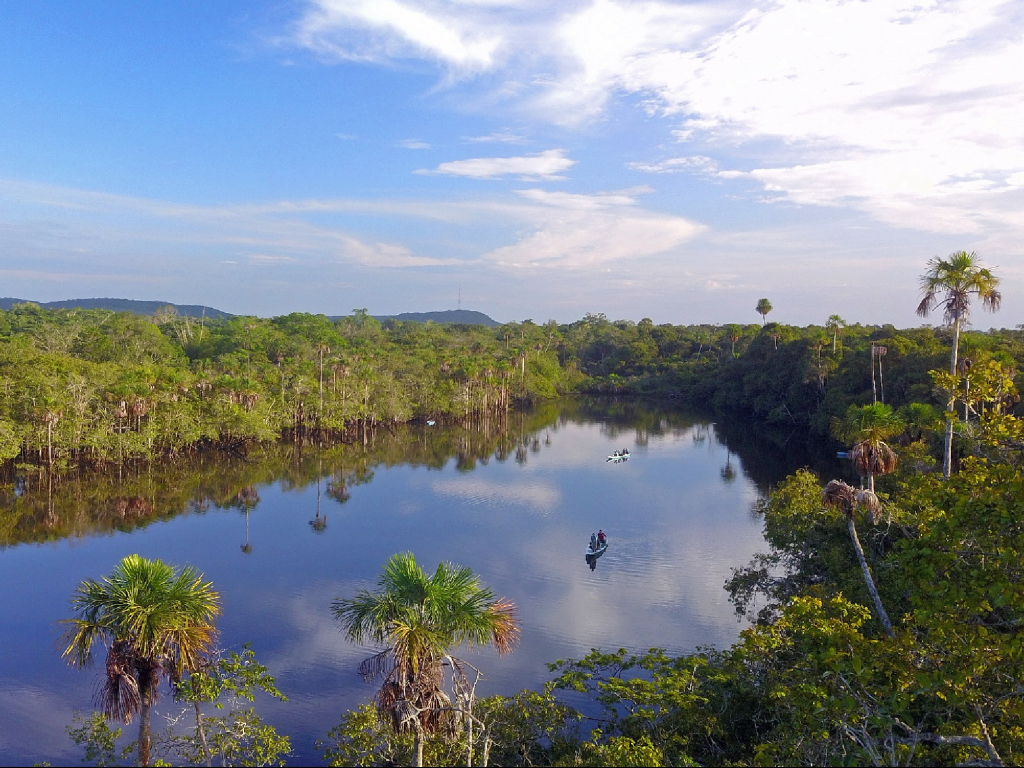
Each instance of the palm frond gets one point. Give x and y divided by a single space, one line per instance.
118 696
165 615
380 664
839 495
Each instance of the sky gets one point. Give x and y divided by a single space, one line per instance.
527 159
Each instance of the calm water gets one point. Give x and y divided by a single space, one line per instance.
516 504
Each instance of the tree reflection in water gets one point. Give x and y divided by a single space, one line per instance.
37 505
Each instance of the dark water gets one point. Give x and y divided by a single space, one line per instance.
516 502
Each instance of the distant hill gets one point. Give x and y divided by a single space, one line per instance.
461 316
122 305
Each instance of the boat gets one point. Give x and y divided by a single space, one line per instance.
597 552
617 457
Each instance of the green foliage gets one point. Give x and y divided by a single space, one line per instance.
99 742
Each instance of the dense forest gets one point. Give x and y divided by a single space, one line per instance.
886 620
95 387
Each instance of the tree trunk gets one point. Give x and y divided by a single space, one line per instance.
145 708
418 745
947 457
882 615
201 730
874 393
881 382
487 748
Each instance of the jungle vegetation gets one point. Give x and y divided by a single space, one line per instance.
887 621
101 389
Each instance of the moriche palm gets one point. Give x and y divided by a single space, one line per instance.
868 427
154 620
420 619
949 283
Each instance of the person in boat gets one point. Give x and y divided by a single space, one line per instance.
593 542
602 539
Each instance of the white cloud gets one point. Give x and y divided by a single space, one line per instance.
413 144
543 165
692 164
579 231
281 231
498 137
383 29
908 110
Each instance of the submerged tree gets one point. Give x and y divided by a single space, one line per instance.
155 621
420 619
949 283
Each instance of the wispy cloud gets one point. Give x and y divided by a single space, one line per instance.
384 29
692 164
413 144
906 110
585 231
547 165
497 137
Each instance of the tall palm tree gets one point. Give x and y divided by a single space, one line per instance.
154 620
763 308
835 324
868 427
848 500
420 619
949 283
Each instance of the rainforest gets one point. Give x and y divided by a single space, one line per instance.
882 616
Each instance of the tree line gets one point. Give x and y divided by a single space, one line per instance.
98 388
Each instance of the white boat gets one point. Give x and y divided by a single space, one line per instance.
619 456
599 551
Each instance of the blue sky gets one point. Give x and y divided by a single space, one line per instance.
672 160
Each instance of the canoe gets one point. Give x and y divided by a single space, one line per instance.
597 552
618 457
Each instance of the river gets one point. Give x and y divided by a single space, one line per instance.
287 529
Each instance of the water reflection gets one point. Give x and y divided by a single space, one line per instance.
514 499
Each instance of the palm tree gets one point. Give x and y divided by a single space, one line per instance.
835 324
868 427
321 350
763 308
949 283
155 620
848 500
420 619
733 333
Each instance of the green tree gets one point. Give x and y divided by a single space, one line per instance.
949 283
763 308
155 621
834 325
733 332
420 619
868 427
240 737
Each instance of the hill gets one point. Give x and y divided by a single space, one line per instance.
122 305
460 316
